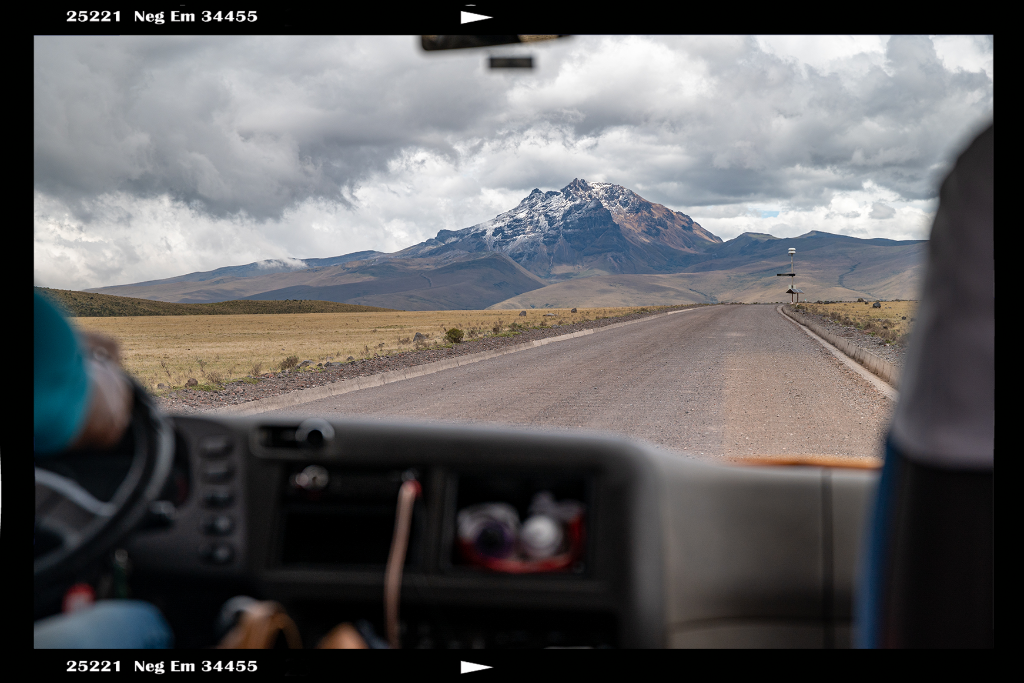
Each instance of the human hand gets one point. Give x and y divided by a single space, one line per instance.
110 394
100 346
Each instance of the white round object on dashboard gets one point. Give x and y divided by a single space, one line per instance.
541 537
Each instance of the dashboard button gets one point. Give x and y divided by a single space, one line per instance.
218 472
219 525
218 553
215 446
218 498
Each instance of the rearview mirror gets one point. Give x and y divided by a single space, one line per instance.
431 43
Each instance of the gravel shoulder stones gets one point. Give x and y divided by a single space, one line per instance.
892 353
190 401
786 396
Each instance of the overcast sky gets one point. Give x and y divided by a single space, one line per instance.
159 156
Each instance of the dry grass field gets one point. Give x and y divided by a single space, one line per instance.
214 349
892 321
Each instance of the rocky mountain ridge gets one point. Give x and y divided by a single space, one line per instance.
582 227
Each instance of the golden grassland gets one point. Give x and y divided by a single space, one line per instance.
214 349
893 320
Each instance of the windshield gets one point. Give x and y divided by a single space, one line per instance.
448 197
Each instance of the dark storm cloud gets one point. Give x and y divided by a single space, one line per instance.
258 124
229 125
777 129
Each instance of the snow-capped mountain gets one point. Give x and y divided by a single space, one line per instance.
582 227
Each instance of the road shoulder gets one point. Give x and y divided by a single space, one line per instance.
881 385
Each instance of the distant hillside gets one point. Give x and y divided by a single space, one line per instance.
92 305
447 282
465 282
588 244
829 267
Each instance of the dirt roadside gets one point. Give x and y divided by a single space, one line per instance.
893 353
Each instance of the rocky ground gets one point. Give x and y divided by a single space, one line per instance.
191 400
894 353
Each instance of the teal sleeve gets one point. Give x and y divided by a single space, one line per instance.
60 380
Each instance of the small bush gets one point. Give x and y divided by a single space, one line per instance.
454 335
256 369
289 363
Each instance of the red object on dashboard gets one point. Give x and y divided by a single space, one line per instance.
574 534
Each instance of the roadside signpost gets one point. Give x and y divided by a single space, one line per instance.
791 291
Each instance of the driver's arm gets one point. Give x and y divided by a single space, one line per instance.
81 397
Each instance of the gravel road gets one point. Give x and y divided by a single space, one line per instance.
714 382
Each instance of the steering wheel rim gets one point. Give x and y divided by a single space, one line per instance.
88 528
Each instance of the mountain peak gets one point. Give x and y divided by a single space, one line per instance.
577 186
581 228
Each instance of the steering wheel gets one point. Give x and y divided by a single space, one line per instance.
73 527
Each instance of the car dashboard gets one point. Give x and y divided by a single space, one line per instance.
652 549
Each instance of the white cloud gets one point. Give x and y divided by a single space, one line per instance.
880 211
970 53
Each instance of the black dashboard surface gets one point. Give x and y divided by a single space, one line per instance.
657 549
309 523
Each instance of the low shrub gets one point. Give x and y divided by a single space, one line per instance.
454 335
289 363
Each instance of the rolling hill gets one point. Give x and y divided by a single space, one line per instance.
93 305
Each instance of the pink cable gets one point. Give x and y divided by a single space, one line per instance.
396 558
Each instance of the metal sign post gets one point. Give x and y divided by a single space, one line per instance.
792 290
